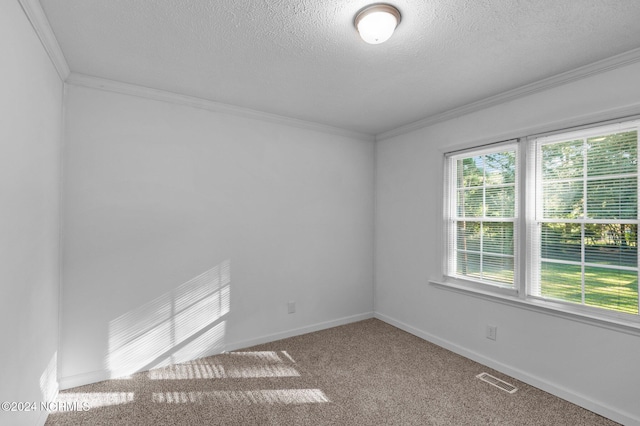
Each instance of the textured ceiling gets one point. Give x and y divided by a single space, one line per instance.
304 59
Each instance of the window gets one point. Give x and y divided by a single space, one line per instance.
483 225
584 245
579 236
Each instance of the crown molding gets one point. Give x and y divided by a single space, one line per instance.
580 73
34 12
84 80
40 24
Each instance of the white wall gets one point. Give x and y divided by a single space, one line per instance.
30 140
187 231
593 366
158 193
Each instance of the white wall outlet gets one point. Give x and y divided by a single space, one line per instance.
291 307
492 332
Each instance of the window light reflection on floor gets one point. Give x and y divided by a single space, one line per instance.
286 354
257 365
266 396
270 356
213 371
96 399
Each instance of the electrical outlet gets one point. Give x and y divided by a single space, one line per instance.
291 307
492 332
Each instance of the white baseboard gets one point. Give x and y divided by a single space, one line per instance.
297 331
82 379
552 388
101 375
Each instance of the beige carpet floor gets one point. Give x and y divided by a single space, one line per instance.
365 373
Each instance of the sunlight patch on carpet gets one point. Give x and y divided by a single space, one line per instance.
217 371
267 396
97 399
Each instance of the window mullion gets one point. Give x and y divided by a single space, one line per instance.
522 204
638 223
452 211
585 154
582 261
484 214
482 249
534 210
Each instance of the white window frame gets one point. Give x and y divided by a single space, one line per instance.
534 212
450 212
525 229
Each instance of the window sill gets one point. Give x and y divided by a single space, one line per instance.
544 307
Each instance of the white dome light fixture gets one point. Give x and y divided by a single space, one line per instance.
377 22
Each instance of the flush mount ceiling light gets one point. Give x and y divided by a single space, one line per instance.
376 23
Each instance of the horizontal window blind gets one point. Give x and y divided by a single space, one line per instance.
583 243
482 214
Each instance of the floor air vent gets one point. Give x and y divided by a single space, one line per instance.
501 384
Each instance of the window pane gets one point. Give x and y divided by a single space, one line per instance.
609 154
470 202
561 281
612 198
593 182
470 172
500 168
500 201
561 241
562 200
562 160
468 264
468 236
611 244
498 237
612 289
485 189
499 269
